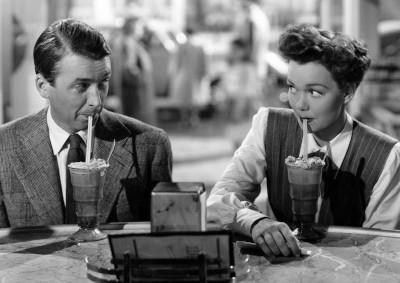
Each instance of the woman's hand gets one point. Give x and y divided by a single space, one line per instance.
275 238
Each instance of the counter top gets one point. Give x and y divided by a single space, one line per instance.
344 255
42 254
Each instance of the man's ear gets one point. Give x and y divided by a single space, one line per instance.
42 85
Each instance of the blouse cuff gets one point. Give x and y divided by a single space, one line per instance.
245 219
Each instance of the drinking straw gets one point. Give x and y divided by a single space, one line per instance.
305 140
111 151
89 139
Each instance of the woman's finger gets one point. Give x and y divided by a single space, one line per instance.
269 240
264 247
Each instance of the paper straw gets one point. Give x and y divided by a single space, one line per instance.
89 139
111 151
305 140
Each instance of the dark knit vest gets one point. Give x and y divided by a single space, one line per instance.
348 194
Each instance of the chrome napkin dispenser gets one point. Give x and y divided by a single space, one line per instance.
178 206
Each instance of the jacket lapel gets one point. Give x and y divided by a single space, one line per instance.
121 164
36 168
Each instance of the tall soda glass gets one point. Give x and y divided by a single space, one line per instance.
305 178
87 180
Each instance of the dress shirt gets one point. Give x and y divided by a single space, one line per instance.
231 200
58 140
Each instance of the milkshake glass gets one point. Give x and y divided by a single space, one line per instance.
87 180
305 177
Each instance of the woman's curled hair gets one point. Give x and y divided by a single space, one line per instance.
345 58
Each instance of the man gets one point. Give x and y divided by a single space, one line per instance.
73 69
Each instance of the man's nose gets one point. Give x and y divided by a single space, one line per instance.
94 97
302 102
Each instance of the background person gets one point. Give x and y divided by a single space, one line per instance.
253 27
361 188
132 74
73 69
240 83
187 70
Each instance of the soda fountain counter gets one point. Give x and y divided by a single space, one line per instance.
43 254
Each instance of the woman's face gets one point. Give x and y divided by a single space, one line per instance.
314 95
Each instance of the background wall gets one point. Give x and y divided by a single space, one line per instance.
25 98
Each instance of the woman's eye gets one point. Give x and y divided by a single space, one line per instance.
315 93
291 89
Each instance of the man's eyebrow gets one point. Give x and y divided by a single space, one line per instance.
106 76
85 80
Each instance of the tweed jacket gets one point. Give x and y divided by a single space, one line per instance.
30 189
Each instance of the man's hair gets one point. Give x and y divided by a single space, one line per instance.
63 37
345 58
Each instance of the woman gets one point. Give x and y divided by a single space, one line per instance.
324 72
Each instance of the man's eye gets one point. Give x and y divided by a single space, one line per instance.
103 85
81 87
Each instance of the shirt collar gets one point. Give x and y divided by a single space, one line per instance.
58 136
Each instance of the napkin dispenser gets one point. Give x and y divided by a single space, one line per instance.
178 206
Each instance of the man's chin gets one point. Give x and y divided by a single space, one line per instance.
81 125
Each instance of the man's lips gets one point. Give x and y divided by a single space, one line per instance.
87 114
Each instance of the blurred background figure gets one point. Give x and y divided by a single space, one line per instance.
132 74
240 83
19 43
187 70
253 28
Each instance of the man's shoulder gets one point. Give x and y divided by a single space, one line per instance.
135 127
13 132
22 124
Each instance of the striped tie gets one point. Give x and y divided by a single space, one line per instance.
75 154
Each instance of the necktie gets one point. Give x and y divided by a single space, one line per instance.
75 154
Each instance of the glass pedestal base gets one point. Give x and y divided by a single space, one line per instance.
87 235
307 233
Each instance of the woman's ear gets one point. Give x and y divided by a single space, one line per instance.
42 85
348 97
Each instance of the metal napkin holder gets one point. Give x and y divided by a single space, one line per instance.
211 263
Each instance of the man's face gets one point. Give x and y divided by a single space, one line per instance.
79 91
314 95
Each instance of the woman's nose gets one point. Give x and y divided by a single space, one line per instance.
302 102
